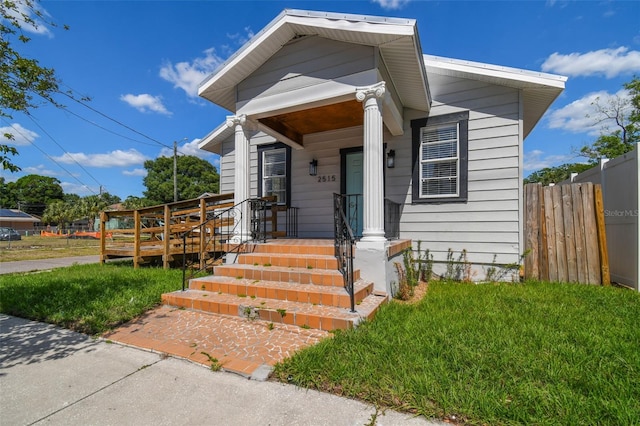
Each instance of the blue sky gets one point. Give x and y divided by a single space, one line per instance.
140 62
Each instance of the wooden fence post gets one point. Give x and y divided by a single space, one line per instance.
532 230
602 238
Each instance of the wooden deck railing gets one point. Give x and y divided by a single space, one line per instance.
156 234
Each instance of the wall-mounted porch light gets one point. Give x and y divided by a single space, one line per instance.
313 167
391 159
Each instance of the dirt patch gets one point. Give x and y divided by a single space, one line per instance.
419 292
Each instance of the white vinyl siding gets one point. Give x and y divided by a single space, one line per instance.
488 222
303 64
439 161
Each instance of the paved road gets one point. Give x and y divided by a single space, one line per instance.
54 376
44 264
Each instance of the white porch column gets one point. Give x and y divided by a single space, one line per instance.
373 153
241 185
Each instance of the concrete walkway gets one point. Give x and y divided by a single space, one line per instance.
58 377
45 264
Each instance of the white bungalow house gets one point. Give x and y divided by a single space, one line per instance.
325 103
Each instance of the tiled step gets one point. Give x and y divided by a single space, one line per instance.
326 277
277 311
282 247
290 260
305 293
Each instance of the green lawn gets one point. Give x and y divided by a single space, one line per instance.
87 298
487 354
37 247
491 354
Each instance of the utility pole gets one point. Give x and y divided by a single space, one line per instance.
175 171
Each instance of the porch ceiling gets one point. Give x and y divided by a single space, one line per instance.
294 125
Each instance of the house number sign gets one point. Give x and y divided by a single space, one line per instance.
326 178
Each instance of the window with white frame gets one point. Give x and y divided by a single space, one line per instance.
440 158
274 170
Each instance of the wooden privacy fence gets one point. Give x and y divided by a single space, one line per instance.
564 234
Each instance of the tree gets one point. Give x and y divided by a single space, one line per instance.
58 212
621 110
133 203
89 208
32 193
556 174
24 83
195 177
624 112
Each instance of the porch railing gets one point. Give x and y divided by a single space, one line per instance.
352 205
391 219
344 243
226 232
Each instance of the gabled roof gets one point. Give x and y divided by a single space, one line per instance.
396 38
539 89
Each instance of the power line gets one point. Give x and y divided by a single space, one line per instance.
63 150
118 122
28 139
105 129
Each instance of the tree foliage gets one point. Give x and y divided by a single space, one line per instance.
73 207
556 174
32 193
195 177
623 111
24 83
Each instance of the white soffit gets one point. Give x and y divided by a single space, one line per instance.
539 89
396 38
212 142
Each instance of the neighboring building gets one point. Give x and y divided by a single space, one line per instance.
356 99
18 220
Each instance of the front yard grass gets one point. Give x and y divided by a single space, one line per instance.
90 299
37 247
534 353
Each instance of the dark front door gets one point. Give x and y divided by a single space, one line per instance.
352 185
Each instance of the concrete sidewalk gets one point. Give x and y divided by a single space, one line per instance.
45 264
55 376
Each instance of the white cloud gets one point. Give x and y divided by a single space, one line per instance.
145 103
536 160
242 38
36 26
391 4
580 116
117 158
21 136
188 75
81 190
607 62
135 172
189 148
41 170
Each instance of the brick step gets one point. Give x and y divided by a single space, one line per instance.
326 277
277 311
290 260
285 248
294 292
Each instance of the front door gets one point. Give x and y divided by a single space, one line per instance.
352 186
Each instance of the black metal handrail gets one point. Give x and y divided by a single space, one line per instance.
224 232
391 219
344 243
